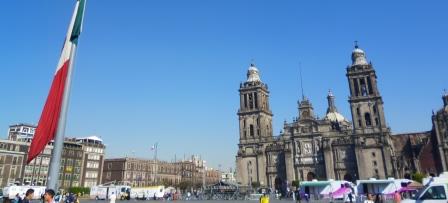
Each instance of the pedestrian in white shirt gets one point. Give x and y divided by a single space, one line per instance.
112 198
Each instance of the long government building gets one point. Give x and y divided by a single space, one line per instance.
332 147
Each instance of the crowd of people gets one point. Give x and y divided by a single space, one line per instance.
300 196
48 197
379 198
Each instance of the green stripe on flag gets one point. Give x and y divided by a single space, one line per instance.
78 22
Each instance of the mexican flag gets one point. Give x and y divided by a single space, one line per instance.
49 119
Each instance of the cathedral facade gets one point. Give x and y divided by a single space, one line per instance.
331 147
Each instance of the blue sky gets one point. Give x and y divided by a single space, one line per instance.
169 71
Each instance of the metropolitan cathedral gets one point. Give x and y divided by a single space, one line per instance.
332 147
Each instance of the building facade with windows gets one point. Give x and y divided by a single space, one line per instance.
11 163
142 172
21 132
77 163
93 160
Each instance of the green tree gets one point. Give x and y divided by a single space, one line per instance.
184 185
255 184
79 190
295 183
418 177
198 185
166 182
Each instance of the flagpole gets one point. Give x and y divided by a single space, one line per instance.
155 162
58 143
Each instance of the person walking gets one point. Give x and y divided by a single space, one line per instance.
369 198
28 196
17 199
112 197
397 197
264 198
49 196
350 197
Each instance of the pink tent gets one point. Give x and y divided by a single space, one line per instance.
340 192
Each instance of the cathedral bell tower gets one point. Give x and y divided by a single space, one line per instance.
255 128
365 100
370 132
254 114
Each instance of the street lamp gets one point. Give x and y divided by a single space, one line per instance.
249 178
203 175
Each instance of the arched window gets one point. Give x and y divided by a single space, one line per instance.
251 102
368 119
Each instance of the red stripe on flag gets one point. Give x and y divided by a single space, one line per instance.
48 122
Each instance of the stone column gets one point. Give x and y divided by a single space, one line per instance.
329 160
352 87
289 162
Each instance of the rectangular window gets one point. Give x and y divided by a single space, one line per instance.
256 100
369 85
363 87
251 130
47 151
356 86
251 101
245 100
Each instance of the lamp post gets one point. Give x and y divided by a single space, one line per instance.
203 176
249 178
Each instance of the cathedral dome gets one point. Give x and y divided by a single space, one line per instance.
357 50
332 113
358 56
253 74
335 117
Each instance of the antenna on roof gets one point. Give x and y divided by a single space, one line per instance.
301 80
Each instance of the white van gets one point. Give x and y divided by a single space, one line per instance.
148 192
435 190
102 192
